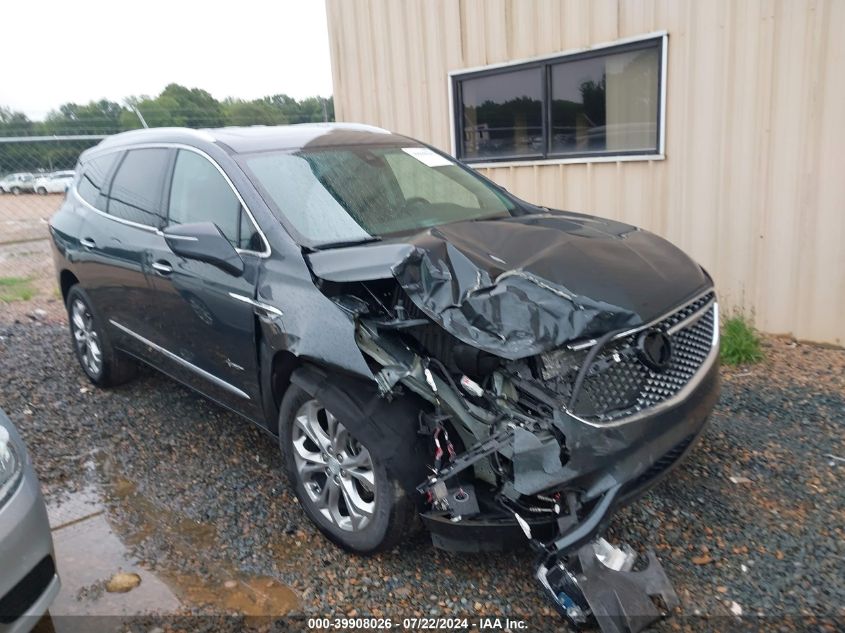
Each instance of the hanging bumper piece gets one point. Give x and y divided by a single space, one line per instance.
597 584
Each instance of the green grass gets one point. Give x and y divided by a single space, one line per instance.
16 289
740 342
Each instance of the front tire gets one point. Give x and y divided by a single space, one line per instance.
343 488
102 363
41 191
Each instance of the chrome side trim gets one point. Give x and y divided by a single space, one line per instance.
181 361
145 227
678 397
130 146
716 332
173 236
257 304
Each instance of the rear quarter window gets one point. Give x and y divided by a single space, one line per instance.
92 182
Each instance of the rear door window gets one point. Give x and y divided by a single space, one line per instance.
136 190
200 193
92 182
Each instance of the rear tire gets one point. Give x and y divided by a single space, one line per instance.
331 473
41 191
102 363
16 191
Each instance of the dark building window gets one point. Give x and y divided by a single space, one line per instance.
502 114
604 102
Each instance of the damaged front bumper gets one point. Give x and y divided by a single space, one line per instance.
598 584
612 472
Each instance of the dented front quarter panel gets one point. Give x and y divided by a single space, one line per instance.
311 326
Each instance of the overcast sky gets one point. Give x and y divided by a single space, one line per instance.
59 51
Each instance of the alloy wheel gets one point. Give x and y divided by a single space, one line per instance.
335 469
86 338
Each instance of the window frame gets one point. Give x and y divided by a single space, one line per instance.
545 63
243 208
168 177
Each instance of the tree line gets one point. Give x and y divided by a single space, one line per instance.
175 106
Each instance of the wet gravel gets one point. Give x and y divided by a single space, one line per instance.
198 491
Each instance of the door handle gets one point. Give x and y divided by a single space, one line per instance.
163 268
87 242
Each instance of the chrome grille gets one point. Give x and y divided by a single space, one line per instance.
618 384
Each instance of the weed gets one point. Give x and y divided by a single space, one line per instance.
16 289
740 342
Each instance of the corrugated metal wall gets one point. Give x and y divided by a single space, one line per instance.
753 184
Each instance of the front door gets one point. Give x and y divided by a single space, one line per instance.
201 316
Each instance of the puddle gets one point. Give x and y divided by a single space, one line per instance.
148 519
97 529
88 553
257 596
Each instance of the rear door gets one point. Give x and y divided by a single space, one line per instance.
202 316
117 235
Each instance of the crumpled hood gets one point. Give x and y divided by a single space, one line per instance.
519 286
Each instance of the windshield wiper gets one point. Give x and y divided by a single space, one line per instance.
342 243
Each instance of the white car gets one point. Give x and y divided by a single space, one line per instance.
57 182
17 183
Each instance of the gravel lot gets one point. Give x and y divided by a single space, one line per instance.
24 217
195 492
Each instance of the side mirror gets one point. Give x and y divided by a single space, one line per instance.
204 242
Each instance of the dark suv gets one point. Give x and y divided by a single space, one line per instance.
421 342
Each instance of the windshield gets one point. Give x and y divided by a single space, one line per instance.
354 194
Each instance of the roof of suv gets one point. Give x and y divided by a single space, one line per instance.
257 138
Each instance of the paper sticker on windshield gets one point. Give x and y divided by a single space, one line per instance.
427 157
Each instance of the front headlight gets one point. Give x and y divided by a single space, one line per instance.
10 464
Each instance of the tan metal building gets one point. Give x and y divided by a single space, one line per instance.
717 124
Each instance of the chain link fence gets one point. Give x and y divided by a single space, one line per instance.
34 174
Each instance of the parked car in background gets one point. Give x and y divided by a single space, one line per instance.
17 183
419 340
28 577
57 182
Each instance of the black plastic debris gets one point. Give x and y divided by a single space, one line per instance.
587 591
